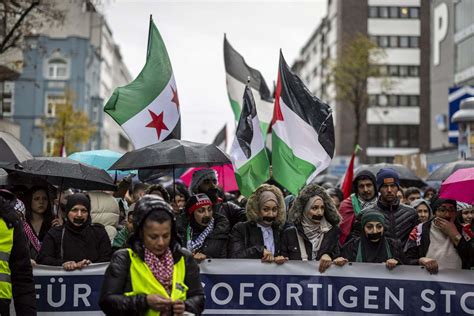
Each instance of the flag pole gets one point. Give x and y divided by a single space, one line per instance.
149 37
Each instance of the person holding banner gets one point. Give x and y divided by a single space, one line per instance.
372 246
315 233
204 232
78 242
155 276
439 243
260 236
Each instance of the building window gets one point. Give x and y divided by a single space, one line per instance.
123 142
399 70
6 97
58 69
393 100
394 12
392 136
49 146
396 41
52 102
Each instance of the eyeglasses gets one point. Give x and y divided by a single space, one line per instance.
446 209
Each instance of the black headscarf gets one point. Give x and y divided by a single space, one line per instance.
369 251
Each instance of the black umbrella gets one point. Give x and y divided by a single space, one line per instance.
407 177
11 150
170 154
326 178
446 170
65 173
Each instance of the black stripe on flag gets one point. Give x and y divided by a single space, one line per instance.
307 106
244 132
236 66
221 138
176 133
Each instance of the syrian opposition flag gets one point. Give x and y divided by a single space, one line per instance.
238 73
148 107
248 153
302 132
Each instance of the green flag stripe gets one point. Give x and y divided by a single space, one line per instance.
235 108
289 170
252 174
129 100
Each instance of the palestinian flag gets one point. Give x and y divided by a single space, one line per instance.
238 73
148 107
302 132
248 153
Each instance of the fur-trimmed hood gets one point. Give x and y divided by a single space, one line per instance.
330 212
252 204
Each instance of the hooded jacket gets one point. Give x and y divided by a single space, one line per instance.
246 239
117 278
72 243
329 244
347 210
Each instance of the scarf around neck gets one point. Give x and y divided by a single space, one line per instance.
31 236
315 232
197 243
161 267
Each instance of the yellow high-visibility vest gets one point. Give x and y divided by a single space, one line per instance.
6 245
144 282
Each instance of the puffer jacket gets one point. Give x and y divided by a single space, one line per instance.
234 213
349 251
329 244
400 219
117 281
105 210
215 245
246 239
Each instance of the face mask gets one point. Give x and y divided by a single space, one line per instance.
374 236
317 217
78 221
268 219
205 220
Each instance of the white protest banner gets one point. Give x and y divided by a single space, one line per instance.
249 287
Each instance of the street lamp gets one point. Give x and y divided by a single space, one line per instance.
465 119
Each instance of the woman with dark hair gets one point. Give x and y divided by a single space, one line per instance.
155 275
39 217
315 233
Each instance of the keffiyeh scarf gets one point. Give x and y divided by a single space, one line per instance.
197 243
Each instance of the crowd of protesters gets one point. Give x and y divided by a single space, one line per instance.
380 222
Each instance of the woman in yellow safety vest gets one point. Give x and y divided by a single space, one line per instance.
155 275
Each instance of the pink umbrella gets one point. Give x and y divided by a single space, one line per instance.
225 176
459 186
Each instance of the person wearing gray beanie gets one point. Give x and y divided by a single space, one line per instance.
203 177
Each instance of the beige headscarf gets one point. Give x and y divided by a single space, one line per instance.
314 231
266 196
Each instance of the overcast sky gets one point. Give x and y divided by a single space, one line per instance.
193 32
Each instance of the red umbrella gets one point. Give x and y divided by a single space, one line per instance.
459 186
225 176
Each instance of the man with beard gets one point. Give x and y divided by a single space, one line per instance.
363 196
438 243
205 181
77 243
399 218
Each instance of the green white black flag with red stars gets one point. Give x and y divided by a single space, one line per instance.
148 107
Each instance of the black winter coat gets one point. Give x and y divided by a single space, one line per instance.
400 220
215 245
117 281
414 252
246 241
349 251
91 242
290 246
23 286
231 211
